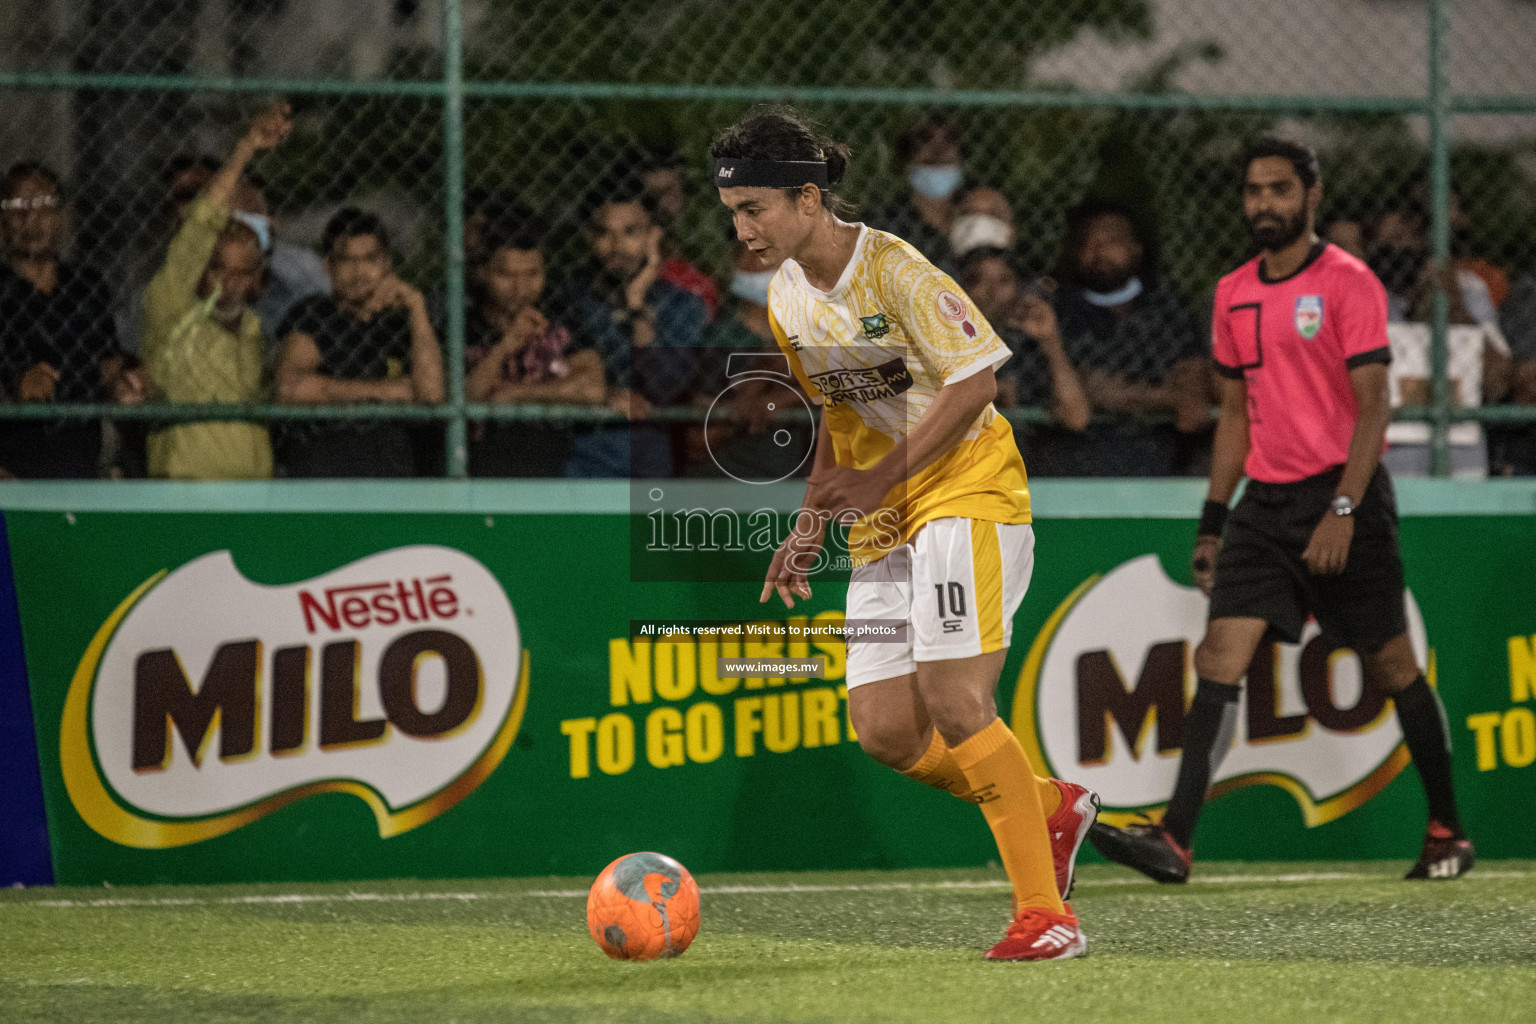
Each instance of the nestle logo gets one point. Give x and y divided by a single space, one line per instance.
385 603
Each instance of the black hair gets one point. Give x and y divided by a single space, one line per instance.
626 186
24 169
1302 158
1081 217
350 222
779 132
516 228
936 123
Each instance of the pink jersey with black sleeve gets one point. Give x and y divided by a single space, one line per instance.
1294 342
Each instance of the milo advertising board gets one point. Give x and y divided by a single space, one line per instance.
292 695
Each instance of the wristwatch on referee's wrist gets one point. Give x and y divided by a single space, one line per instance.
1342 505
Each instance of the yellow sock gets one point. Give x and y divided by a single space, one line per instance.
937 768
999 775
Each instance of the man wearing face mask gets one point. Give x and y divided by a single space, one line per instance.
293 272
931 154
984 220
201 338
1138 352
744 439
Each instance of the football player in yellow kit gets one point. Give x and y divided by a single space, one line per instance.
914 458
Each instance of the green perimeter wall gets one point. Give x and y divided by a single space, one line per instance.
560 553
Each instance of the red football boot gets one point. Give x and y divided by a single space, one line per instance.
1068 827
1037 934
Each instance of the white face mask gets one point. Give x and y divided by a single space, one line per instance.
752 285
257 223
980 230
1118 297
935 181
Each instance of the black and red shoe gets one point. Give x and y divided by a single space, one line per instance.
1445 855
1148 848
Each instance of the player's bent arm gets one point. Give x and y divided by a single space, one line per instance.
941 427
1369 383
1229 449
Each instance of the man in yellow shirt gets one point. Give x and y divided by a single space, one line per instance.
202 341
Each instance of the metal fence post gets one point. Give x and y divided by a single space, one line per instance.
453 235
1440 237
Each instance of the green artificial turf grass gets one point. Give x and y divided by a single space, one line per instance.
1236 945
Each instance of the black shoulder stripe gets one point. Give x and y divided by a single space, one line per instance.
1381 355
1229 372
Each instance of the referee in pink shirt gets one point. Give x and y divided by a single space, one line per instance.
1300 340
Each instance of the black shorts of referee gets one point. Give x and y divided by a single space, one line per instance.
1260 574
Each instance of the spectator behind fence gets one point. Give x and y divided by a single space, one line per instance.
201 339
645 330
744 381
58 342
1039 372
1466 251
293 272
983 220
930 152
1138 353
1397 249
1512 449
666 183
517 352
369 341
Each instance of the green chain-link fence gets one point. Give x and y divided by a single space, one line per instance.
472 127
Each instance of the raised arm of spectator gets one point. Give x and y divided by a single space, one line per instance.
300 382
174 288
268 130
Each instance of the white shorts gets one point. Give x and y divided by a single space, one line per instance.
957 584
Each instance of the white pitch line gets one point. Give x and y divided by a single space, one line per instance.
711 890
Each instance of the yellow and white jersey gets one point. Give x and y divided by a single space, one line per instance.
873 352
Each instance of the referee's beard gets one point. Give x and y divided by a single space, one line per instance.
1272 232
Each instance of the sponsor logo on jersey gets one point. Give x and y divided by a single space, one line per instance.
951 307
207 701
875 326
864 385
1309 315
1104 691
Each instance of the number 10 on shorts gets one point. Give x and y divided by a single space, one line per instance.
955 594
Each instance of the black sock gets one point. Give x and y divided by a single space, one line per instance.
1207 738
1422 718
